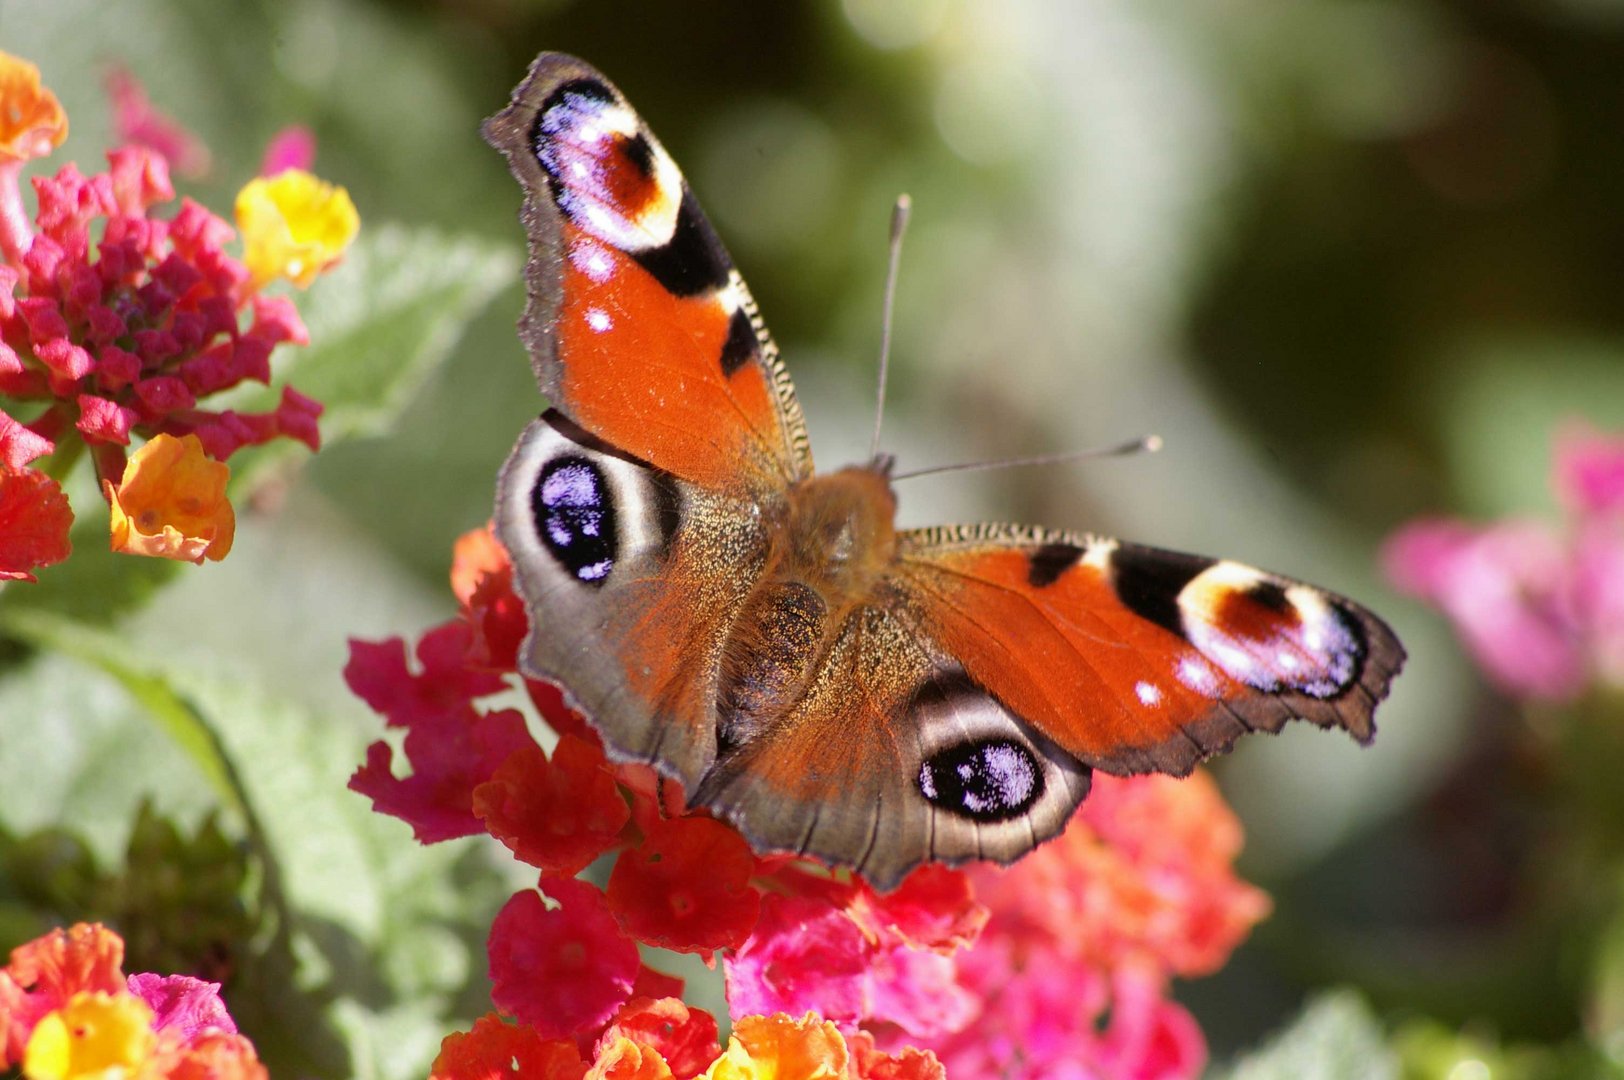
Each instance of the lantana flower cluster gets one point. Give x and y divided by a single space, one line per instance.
67 1012
1539 605
117 326
1063 960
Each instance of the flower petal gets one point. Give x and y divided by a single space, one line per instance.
686 887
171 502
32 122
294 226
563 971
34 523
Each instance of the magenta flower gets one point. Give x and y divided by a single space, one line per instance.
1539 607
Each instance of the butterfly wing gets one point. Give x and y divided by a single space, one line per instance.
960 713
874 765
640 330
633 578
1135 659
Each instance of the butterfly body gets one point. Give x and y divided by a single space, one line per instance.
764 634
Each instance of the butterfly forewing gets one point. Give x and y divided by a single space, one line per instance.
1140 660
639 327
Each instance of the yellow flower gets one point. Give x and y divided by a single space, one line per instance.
778 1048
294 226
32 122
95 1035
172 502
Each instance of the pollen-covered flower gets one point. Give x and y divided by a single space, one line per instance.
171 503
294 225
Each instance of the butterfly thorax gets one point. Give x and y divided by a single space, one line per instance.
830 546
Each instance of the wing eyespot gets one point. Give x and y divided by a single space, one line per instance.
574 515
985 780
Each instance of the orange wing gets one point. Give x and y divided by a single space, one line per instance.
1138 660
640 329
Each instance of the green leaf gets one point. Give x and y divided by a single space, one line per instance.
1336 1037
371 945
380 324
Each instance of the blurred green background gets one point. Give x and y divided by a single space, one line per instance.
1354 260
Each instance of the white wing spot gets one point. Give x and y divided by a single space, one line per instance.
598 319
1147 693
1194 673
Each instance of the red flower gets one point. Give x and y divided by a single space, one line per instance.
453 747
685 1037
34 523
558 815
564 970
482 579
378 674
496 1049
687 886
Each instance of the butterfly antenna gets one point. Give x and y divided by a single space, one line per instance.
1145 444
899 225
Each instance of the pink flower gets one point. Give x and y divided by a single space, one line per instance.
138 122
562 971
1589 470
1507 589
857 957
1070 975
188 1006
452 747
294 147
1539 607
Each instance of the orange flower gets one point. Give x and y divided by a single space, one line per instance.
171 503
623 1059
32 122
294 226
778 1048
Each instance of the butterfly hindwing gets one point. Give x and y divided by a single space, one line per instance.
1140 660
891 758
632 578
639 327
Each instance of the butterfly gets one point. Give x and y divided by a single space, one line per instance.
831 685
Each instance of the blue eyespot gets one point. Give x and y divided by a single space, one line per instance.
575 517
991 780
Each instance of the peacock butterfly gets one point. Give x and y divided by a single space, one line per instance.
765 635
